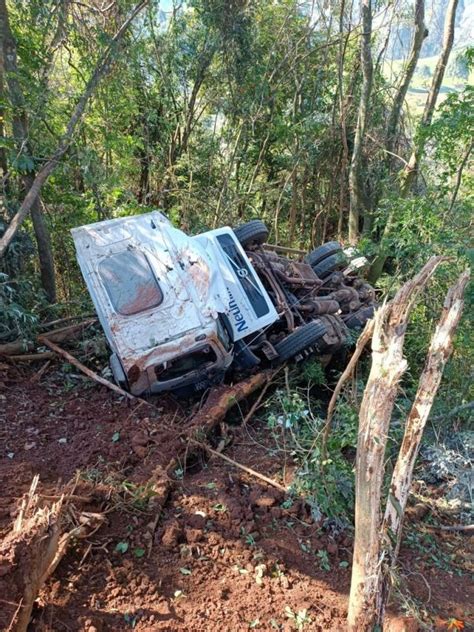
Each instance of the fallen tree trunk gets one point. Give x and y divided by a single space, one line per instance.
388 365
221 400
18 347
32 357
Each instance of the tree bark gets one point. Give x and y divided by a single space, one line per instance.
388 365
411 170
356 187
76 116
438 354
419 35
3 153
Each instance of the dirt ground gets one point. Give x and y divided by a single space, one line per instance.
227 552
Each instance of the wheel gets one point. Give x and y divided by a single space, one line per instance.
300 339
253 232
337 333
322 252
358 319
330 264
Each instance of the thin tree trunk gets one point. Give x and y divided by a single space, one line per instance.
342 118
43 242
438 354
356 187
21 133
411 170
419 34
459 175
388 365
76 116
3 153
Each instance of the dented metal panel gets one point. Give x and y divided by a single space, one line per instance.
158 292
190 301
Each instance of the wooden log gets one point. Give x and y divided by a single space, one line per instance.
388 365
17 347
285 250
67 319
221 400
68 332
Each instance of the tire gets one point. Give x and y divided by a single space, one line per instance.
330 264
337 334
253 232
322 252
300 339
358 319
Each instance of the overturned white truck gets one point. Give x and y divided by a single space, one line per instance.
180 311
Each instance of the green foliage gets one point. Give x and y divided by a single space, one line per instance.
217 112
326 481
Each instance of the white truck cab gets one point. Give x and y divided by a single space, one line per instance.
171 306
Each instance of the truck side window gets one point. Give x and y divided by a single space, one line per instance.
130 283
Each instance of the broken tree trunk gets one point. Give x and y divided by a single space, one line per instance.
30 553
221 400
388 365
438 354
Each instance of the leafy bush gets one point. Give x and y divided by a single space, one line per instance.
326 481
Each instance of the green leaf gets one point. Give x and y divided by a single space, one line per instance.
116 437
138 552
122 547
185 571
343 564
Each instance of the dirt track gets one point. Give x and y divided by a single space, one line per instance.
227 552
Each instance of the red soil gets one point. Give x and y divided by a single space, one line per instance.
225 555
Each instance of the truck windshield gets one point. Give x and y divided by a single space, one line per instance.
130 283
244 275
